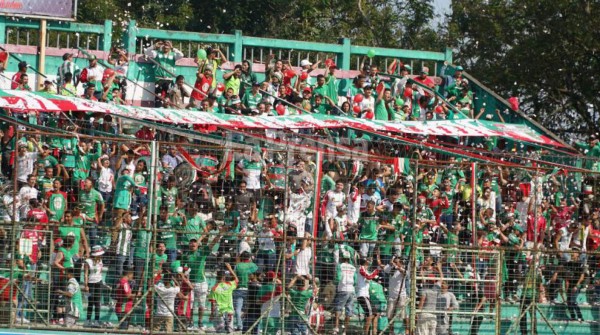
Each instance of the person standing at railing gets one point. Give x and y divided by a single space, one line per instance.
68 66
16 78
166 56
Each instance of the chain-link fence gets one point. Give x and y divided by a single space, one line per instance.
109 225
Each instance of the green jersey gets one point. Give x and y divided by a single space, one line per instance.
381 111
251 100
222 294
369 223
83 163
168 198
327 184
140 179
140 244
45 184
243 271
299 298
159 260
196 261
68 146
68 256
57 203
65 231
376 294
167 234
194 227
90 201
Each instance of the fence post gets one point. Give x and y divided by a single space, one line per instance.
107 36
238 47
2 29
130 37
344 57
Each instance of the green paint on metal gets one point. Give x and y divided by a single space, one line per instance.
130 37
344 56
107 36
238 47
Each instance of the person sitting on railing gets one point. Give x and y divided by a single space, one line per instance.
23 84
68 88
166 56
92 75
68 66
16 78
233 79
214 58
203 84
424 78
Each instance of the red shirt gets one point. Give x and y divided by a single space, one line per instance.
201 88
16 79
541 226
124 304
38 214
425 81
559 219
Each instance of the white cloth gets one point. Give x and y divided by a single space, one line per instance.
347 273
303 262
25 165
105 180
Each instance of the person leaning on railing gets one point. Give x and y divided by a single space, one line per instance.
163 53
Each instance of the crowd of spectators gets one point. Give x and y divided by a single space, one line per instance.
240 242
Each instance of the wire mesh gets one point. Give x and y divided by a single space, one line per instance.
163 232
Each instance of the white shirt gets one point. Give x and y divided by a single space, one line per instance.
26 193
95 272
334 199
368 103
397 285
347 273
167 303
354 201
25 165
105 180
303 262
362 287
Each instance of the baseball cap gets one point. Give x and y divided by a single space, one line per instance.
425 70
407 67
332 65
67 55
305 62
459 68
92 57
307 89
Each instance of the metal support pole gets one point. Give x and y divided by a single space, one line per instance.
413 260
13 242
42 50
152 215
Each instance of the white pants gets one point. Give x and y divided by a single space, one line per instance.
426 324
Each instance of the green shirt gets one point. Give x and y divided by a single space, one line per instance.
90 200
168 235
68 256
299 298
83 162
222 294
169 196
381 111
159 260
376 293
140 244
327 184
194 227
233 83
251 100
196 261
45 184
65 231
243 270
57 205
369 223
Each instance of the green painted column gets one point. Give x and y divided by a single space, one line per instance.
107 36
448 55
130 37
343 60
238 47
2 29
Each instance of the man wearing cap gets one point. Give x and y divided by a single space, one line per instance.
592 150
203 84
68 66
16 78
424 78
166 56
449 81
92 75
214 58
252 98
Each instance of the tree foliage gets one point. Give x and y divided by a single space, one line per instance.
385 23
545 51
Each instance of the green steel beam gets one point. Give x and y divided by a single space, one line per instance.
399 53
238 47
344 57
107 36
2 30
130 37
186 36
62 26
289 44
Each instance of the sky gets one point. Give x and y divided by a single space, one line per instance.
442 6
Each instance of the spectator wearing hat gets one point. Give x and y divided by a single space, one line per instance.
214 58
252 98
453 80
424 78
16 78
591 149
92 279
203 84
166 56
93 74
68 66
